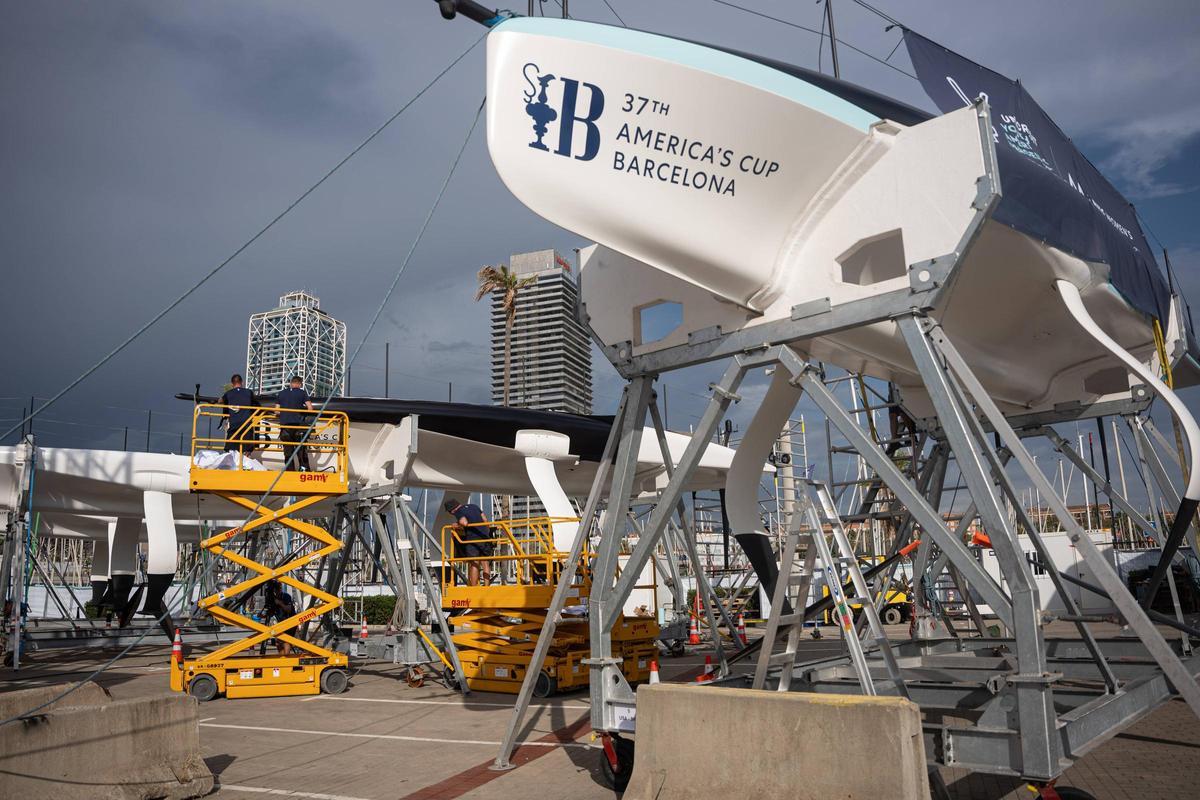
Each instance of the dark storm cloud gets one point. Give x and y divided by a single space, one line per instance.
142 142
279 70
461 345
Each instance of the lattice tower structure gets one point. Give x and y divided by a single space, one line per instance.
296 338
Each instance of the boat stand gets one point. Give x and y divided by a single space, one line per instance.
1123 692
1031 704
15 558
401 541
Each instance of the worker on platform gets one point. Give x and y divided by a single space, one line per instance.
293 424
471 539
239 405
278 606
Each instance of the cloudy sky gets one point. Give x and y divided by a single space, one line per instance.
145 141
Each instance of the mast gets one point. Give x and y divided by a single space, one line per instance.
837 72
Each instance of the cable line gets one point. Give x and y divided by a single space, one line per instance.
387 296
213 272
615 14
880 14
815 32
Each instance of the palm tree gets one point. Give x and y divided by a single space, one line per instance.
504 282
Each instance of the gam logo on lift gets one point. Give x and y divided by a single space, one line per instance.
539 108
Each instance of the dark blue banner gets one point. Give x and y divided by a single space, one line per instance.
1050 190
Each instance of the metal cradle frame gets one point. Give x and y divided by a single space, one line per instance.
1023 705
391 535
1021 718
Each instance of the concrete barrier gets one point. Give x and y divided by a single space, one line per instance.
717 742
104 749
22 700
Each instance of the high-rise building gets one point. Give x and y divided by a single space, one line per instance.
551 353
297 338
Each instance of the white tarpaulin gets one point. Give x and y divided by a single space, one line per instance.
212 459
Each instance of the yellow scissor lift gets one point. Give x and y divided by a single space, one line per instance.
497 626
230 670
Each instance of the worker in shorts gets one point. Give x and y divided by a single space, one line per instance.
471 539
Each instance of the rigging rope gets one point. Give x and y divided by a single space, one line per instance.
374 320
816 32
821 41
615 14
213 272
880 14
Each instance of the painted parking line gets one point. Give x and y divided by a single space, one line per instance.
392 736
460 704
483 773
285 792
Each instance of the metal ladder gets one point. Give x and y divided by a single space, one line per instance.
800 531
817 510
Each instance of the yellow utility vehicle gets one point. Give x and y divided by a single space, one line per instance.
256 476
898 607
496 625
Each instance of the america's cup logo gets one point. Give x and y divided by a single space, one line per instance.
538 106
541 112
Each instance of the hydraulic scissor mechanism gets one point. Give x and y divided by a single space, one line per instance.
287 600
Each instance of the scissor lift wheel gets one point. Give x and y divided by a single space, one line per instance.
334 681
546 685
203 688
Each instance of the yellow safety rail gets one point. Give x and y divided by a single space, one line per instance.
498 625
260 453
527 544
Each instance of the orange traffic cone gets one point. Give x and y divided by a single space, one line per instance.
694 629
741 628
363 633
177 651
654 673
707 675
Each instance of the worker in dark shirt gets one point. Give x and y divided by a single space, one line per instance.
471 539
239 405
293 424
277 606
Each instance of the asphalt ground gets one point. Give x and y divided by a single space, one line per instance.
384 740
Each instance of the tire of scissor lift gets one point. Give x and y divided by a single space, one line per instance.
334 680
545 685
203 687
892 616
